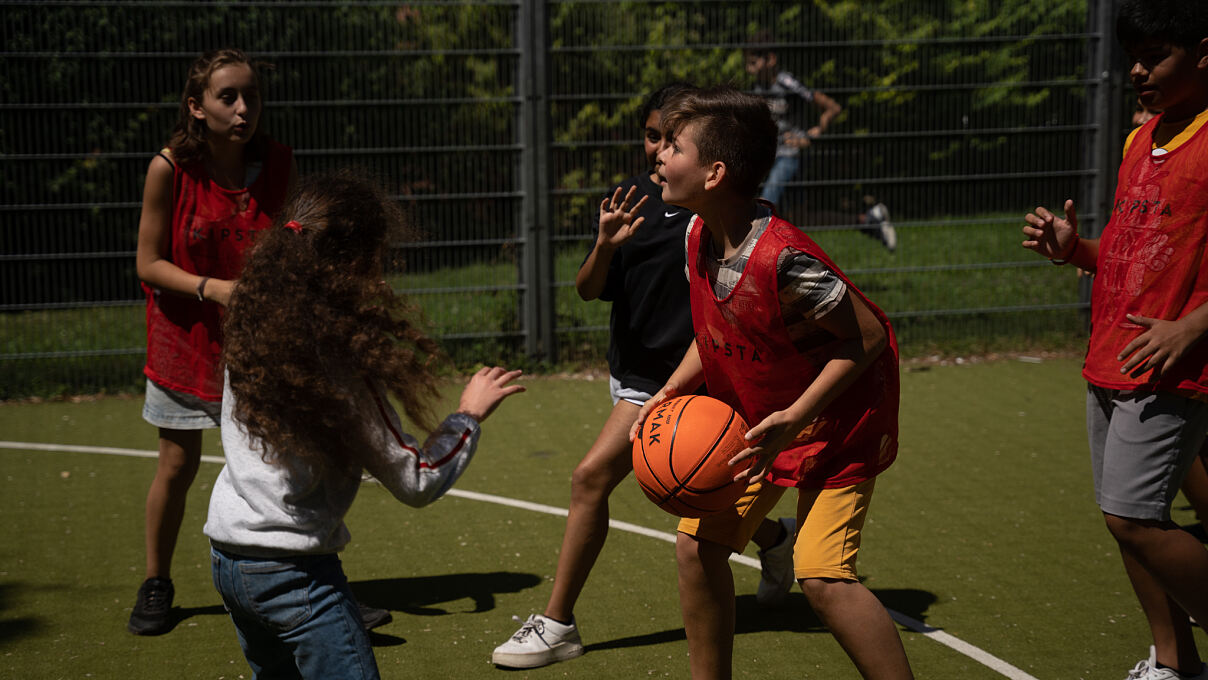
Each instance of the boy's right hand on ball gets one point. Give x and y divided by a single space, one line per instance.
659 397
486 389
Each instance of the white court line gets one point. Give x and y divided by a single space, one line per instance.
936 635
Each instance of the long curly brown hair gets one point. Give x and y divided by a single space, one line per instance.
188 140
311 321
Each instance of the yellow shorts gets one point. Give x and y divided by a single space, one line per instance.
829 521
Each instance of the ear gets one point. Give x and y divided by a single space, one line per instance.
717 173
195 109
1201 54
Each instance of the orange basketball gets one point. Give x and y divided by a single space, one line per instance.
680 456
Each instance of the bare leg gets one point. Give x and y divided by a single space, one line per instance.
861 625
706 588
1167 621
606 464
1195 486
1162 559
179 459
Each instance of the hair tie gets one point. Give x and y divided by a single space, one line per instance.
293 226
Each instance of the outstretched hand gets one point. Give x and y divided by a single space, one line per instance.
1158 348
1049 235
486 389
619 217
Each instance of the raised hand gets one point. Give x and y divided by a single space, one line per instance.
486 390
619 217
1049 235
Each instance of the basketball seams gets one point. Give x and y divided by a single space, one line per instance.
666 493
671 493
685 484
712 428
717 440
700 462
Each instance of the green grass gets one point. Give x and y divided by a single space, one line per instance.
984 528
918 286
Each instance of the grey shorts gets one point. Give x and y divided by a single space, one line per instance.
179 410
1142 444
629 394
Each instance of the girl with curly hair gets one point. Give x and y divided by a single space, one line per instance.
315 343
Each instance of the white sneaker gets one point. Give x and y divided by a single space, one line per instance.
1148 670
539 642
879 215
776 565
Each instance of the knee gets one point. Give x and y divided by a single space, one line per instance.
687 551
178 468
691 553
814 589
696 556
819 592
1129 533
591 482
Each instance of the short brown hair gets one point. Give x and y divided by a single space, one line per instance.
732 127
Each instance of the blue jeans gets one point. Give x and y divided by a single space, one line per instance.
295 616
783 171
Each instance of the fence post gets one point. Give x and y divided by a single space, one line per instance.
1105 122
537 276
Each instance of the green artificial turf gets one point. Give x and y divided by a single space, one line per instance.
985 529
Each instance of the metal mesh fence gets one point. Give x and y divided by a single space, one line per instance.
499 125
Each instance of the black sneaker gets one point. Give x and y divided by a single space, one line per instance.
152 613
372 617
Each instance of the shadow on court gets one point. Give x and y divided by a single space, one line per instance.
423 595
15 628
793 616
796 616
182 614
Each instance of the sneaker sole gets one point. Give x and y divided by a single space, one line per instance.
376 621
149 630
561 653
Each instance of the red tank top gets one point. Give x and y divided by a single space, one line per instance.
750 362
212 228
1150 260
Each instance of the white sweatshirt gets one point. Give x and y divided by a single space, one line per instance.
260 509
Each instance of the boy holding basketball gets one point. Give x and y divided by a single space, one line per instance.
784 338
1146 362
635 264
